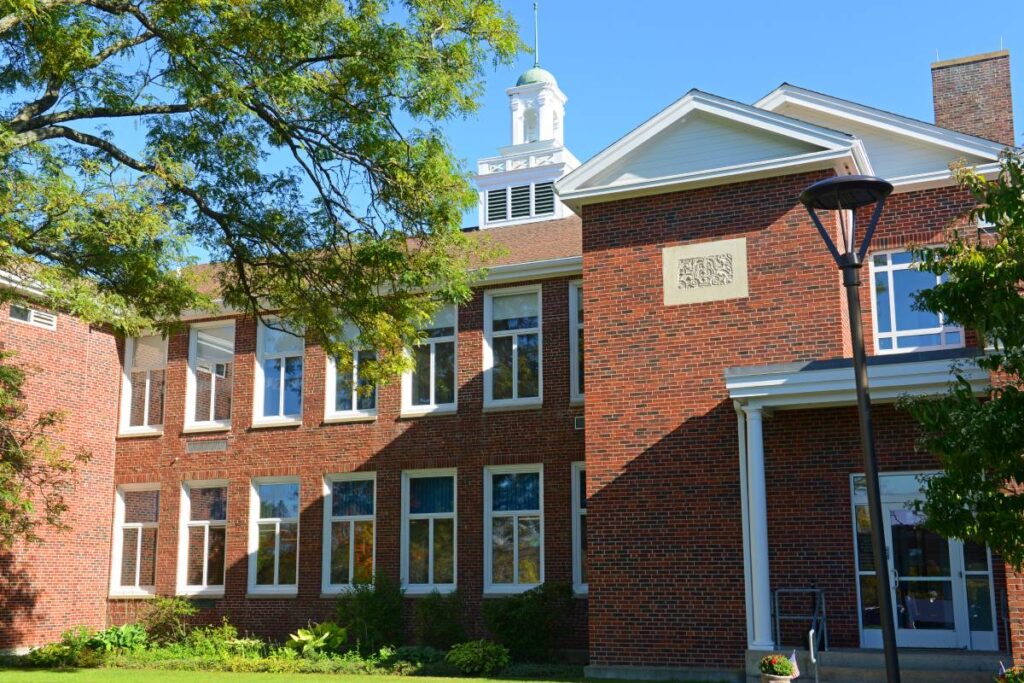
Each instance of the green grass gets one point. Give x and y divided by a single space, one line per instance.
155 676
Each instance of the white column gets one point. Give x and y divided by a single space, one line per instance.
761 600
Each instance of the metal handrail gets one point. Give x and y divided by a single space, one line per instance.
818 632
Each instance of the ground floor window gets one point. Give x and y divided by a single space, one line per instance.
514 528
579 527
274 536
136 517
428 531
349 527
204 514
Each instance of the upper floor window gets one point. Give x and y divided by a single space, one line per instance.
350 396
428 531
142 394
520 202
576 341
274 536
579 527
513 528
33 316
133 557
278 394
512 352
203 538
431 386
211 363
899 326
349 508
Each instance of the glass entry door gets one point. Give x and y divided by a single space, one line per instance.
941 589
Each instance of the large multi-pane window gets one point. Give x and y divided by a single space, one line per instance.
899 325
579 527
136 516
349 507
350 395
514 528
431 385
576 341
428 531
211 374
278 393
512 353
274 536
142 397
201 552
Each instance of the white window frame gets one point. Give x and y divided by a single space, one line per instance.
36 317
117 546
578 511
488 350
127 390
434 408
427 588
192 425
510 588
254 539
942 330
280 420
326 587
575 294
356 414
184 524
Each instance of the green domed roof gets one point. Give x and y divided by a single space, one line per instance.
536 75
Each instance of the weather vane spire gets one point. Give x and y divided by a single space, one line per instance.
536 37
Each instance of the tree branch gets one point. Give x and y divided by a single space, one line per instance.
38 106
11 20
104 113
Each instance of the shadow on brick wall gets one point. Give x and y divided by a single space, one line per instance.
17 600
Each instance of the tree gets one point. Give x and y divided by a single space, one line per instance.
297 142
980 440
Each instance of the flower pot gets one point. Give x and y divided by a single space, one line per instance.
772 678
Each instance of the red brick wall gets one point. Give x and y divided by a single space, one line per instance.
972 95
666 554
49 587
469 441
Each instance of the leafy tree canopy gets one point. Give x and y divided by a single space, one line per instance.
980 440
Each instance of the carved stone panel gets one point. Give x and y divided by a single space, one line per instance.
709 271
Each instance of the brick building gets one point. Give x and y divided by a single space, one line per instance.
719 467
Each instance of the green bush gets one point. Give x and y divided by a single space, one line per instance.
219 641
527 624
438 620
73 650
777 665
418 654
127 637
479 658
372 615
318 640
1011 676
166 621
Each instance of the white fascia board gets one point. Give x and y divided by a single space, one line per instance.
548 172
883 120
927 181
836 386
20 285
697 100
534 270
718 176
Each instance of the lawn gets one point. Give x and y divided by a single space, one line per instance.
154 676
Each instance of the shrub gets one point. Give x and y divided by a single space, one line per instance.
1011 676
479 658
527 623
318 640
166 621
419 654
127 637
438 620
73 650
219 641
777 665
372 615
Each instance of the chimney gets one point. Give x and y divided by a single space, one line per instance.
972 95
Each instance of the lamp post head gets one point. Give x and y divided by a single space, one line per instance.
846 194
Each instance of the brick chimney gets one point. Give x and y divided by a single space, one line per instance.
972 95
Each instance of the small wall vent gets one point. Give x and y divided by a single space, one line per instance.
206 446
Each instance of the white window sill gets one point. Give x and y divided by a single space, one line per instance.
272 594
268 422
201 592
205 428
576 401
132 595
420 590
581 591
429 411
504 407
340 418
513 589
140 432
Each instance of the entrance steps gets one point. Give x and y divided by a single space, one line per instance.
916 666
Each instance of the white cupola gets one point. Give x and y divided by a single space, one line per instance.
518 185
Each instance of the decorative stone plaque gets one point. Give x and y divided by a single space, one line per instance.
709 271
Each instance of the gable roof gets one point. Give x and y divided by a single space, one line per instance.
703 139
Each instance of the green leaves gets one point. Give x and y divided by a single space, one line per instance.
980 440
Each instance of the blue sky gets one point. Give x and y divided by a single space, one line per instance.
621 62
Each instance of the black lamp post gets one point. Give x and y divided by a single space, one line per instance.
844 195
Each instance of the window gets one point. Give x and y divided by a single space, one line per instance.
576 341
512 354
136 515
211 361
203 538
520 202
349 395
428 531
898 325
33 316
274 536
277 397
513 528
431 386
142 395
349 506
579 527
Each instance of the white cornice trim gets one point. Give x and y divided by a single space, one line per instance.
534 270
20 285
927 181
